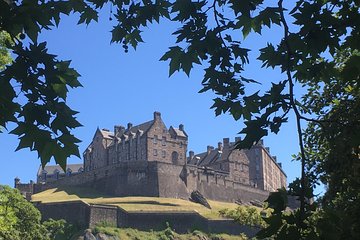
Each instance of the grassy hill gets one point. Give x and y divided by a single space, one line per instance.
131 204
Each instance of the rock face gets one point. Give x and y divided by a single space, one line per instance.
88 235
197 197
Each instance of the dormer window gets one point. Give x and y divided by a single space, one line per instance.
56 174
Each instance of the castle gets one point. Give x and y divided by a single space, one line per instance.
151 160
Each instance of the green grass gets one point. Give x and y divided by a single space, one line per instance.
132 204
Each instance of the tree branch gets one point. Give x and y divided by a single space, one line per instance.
294 107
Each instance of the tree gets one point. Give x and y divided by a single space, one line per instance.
19 219
5 57
318 51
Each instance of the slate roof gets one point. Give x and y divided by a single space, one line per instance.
142 127
51 168
214 156
180 133
107 134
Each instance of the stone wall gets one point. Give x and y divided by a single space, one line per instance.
221 187
84 216
159 179
103 214
75 212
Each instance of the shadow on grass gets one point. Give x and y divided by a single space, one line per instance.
82 192
150 202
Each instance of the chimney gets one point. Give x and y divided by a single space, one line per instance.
129 125
226 142
118 130
220 146
17 181
237 139
191 155
181 127
157 115
209 148
267 149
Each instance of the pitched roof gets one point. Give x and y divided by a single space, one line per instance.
142 127
179 132
52 168
214 156
107 134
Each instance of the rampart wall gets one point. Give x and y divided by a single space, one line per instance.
85 215
160 179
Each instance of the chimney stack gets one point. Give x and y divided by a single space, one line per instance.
220 146
17 181
181 127
226 142
129 125
157 115
209 148
119 130
191 155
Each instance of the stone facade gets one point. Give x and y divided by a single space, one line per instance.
52 173
151 160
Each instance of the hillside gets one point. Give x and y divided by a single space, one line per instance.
131 204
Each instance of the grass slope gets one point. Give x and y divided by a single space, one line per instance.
132 204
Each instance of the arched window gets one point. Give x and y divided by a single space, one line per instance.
174 157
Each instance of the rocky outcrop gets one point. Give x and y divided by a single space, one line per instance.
197 197
88 235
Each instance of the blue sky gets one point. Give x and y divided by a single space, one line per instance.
128 87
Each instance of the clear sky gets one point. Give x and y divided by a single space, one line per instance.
128 87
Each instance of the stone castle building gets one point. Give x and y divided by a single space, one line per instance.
151 160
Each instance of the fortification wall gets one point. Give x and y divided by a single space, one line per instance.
159 179
75 212
218 186
171 179
123 179
84 216
103 214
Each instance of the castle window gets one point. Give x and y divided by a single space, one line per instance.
155 139
163 141
56 173
163 153
155 152
181 144
174 157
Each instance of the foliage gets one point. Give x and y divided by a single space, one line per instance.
59 229
19 219
246 215
5 57
166 234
